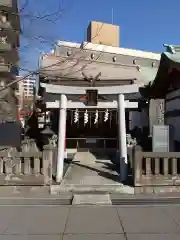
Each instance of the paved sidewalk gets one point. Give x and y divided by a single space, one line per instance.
90 222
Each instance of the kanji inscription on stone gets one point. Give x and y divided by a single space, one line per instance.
161 138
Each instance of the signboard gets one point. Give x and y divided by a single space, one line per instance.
91 140
162 138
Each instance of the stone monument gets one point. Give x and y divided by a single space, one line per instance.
156 113
162 138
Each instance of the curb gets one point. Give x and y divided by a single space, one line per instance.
36 201
88 199
144 200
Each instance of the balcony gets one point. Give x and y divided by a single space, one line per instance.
10 56
5 68
4 21
7 3
9 7
9 36
5 25
5 46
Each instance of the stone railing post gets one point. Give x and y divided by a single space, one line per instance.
25 145
34 147
47 164
137 167
53 144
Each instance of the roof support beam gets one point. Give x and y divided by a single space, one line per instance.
50 88
100 105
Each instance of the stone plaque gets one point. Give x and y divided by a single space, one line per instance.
162 138
156 113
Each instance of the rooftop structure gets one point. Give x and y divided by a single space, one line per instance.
103 33
76 62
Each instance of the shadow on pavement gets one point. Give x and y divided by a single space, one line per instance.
104 174
114 165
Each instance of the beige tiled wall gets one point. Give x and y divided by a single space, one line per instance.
103 33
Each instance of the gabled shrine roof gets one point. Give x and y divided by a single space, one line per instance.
109 49
73 60
170 62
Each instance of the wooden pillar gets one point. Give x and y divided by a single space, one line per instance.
47 164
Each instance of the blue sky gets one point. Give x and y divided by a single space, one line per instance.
144 25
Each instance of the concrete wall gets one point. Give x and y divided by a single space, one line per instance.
138 119
172 112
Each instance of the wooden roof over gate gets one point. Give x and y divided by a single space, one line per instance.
168 75
72 64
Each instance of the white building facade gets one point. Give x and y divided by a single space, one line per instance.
26 87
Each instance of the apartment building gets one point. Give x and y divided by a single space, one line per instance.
25 92
26 87
9 58
10 131
9 40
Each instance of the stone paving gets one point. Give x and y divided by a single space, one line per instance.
88 169
92 172
89 222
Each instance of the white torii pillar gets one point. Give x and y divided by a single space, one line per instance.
61 138
122 137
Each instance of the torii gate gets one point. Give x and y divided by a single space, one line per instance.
64 104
